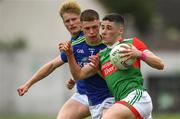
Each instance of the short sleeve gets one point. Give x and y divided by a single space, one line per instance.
139 44
63 57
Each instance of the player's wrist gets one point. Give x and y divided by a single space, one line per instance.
143 56
138 54
69 53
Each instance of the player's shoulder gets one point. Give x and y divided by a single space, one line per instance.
138 43
102 45
131 40
79 40
128 40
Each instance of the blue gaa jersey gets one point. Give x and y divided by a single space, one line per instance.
78 38
95 86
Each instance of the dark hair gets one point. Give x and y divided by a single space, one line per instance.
89 15
114 17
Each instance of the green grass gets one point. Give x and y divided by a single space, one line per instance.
166 116
157 116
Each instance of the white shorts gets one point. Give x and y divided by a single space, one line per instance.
141 102
97 110
83 99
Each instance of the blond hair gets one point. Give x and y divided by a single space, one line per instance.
69 6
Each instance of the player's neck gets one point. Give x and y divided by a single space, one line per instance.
114 42
94 42
112 45
75 34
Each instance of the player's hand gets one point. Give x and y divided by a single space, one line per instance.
61 46
22 90
94 61
66 47
70 84
131 52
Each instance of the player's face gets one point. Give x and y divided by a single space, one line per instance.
72 23
91 30
109 31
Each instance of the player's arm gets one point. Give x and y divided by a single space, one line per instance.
80 73
140 50
147 56
151 59
77 72
43 72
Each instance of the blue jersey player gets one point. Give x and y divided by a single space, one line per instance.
94 87
72 109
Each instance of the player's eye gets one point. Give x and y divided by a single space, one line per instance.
67 21
73 19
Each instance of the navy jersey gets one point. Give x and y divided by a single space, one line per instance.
79 36
95 86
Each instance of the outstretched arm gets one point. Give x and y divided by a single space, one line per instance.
43 72
77 72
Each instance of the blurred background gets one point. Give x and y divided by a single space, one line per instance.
30 31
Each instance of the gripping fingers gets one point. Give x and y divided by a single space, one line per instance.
125 55
21 92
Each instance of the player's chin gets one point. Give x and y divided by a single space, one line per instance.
74 31
105 41
93 38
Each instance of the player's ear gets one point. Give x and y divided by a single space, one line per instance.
121 30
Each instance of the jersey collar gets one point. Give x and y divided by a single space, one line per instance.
76 37
112 46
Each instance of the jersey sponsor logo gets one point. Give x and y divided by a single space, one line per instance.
84 61
108 68
82 64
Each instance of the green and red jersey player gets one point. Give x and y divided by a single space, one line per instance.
128 79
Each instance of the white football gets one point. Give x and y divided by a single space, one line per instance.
120 63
